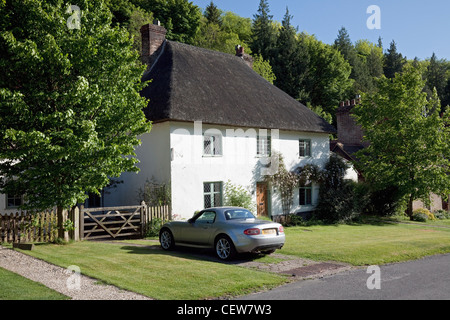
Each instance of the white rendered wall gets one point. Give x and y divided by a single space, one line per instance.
173 153
154 162
239 163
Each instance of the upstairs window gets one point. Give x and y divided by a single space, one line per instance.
212 145
264 146
304 148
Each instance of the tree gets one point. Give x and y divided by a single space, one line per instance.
70 109
263 32
289 60
328 81
263 68
211 36
356 56
408 138
436 76
213 14
393 61
181 18
232 23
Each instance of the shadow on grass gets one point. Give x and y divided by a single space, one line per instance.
193 254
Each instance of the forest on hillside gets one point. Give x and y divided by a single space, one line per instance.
317 74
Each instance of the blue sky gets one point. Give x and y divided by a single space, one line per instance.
418 27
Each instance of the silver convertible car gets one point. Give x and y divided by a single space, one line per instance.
229 230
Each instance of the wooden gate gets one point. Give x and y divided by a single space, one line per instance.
112 222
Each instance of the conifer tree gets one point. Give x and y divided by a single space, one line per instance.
393 61
263 32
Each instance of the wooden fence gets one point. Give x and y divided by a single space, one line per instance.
28 227
119 222
89 223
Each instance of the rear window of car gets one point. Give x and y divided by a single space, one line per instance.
238 214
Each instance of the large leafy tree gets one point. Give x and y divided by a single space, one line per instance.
408 138
328 81
70 109
181 18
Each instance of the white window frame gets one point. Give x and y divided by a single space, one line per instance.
305 150
263 145
212 192
215 145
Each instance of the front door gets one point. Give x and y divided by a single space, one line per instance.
261 199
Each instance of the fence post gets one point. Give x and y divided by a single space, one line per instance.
74 216
143 219
81 225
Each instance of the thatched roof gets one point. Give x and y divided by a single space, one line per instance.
195 84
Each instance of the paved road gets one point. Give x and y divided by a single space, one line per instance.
428 278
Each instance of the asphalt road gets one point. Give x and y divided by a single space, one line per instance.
424 279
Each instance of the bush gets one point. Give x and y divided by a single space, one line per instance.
238 196
154 227
422 215
441 214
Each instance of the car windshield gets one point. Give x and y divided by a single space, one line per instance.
234 214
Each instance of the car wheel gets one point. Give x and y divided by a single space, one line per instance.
225 248
166 239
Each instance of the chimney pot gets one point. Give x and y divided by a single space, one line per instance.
247 58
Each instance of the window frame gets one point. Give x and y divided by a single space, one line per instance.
267 143
212 193
306 148
305 193
14 199
215 147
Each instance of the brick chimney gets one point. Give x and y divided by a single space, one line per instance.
348 131
153 37
247 58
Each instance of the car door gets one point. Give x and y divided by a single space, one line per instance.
198 232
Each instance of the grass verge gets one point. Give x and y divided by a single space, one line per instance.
16 287
367 244
155 273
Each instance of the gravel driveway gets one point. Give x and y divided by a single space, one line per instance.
62 280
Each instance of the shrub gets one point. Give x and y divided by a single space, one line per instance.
441 214
154 227
238 196
422 215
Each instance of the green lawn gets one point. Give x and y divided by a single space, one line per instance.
180 275
367 244
16 287
156 273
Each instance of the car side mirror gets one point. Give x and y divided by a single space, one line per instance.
191 220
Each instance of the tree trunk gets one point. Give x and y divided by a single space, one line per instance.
409 210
